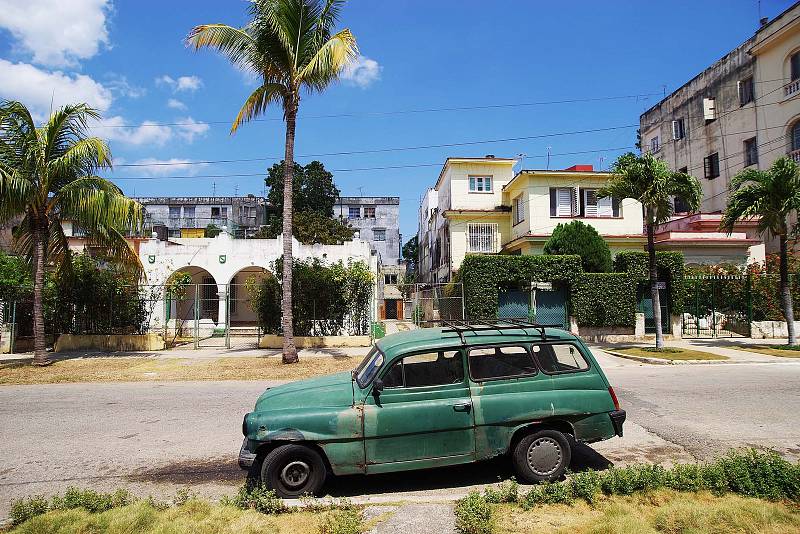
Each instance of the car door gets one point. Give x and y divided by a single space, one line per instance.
423 417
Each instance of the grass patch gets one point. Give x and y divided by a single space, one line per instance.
783 351
657 512
670 353
138 369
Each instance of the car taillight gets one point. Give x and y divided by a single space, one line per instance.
613 397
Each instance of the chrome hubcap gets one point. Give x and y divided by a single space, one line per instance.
295 474
544 456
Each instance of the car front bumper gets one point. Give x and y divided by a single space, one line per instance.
617 419
246 458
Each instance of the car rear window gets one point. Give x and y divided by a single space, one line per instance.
500 362
560 358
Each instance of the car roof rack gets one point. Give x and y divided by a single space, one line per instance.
498 325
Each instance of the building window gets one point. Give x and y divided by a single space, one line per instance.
678 129
655 144
174 212
369 212
518 207
794 64
796 136
379 234
679 206
746 91
480 184
592 206
711 166
750 152
482 237
354 212
390 279
710 109
562 202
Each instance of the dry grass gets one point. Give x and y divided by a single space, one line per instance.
670 353
783 351
660 512
138 369
194 517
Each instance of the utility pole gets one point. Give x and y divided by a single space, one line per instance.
213 189
548 157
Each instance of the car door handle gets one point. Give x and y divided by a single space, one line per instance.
462 407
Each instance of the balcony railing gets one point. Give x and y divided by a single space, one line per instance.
795 155
791 88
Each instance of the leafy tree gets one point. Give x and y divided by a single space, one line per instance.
581 239
771 197
650 181
47 174
410 253
15 277
291 46
212 230
313 188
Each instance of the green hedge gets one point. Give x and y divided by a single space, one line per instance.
604 299
483 276
635 264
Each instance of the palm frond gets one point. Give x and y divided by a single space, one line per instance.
95 204
16 192
116 248
329 60
234 43
258 101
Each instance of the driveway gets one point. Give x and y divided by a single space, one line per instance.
156 437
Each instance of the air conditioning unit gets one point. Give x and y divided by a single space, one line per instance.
709 109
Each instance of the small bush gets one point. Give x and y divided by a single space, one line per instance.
506 492
344 521
474 515
260 499
25 509
548 493
585 485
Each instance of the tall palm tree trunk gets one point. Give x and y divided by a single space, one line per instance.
786 291
39 261
289 349
653 268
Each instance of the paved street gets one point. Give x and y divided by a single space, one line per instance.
156 437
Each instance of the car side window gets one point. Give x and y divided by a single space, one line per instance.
427 369
560 358
500 362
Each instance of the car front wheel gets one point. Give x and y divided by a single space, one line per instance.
293 470
542 456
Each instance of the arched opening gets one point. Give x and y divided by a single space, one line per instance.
794 140
192 293
241 306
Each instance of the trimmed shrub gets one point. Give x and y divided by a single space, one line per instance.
474 515
635 263
583 240
604 299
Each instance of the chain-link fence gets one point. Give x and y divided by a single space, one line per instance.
429 304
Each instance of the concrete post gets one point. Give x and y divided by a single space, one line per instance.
639 329
222 294
676 322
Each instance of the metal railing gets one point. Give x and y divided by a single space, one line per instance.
795 155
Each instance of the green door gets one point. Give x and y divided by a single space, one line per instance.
423 417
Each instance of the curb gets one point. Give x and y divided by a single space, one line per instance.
662 361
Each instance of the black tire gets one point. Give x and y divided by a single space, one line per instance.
542 456
293 470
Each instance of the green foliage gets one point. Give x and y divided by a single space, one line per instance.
310 228
260 499
410 253
312 185
763 475
670 264
347 521
177 284
90 500
327 299
378 330
506 492
583 240
484 275
604 299
474 515
15 277
212 230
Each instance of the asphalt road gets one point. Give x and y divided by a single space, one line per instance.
156 437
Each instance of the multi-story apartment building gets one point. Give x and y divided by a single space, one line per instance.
482 206
741 112
190 216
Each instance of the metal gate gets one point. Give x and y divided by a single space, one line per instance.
717 306
544 303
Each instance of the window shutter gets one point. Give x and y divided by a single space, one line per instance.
590 199
575 196
707 166
709 109
564 202
614 207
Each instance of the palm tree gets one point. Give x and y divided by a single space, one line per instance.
650 181
47 175
771 197
290 46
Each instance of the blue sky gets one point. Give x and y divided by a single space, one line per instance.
163 103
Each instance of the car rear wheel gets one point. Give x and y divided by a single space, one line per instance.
293 470
542 456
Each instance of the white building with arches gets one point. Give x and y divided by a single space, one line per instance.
220 268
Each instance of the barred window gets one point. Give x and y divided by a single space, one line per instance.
482 237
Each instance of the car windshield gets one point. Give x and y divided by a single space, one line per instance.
368 368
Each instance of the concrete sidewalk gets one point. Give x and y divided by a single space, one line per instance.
735 349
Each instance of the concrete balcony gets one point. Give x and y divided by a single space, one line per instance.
795 155
791 88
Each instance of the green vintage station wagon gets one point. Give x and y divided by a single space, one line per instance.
435 397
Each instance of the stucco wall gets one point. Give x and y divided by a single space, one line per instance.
387 217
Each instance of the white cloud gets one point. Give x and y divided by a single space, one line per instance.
189 128
56 32
174 103
363 72
165 167
119 85
37 88
148 132
180 84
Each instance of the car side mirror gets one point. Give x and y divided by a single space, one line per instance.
377 387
